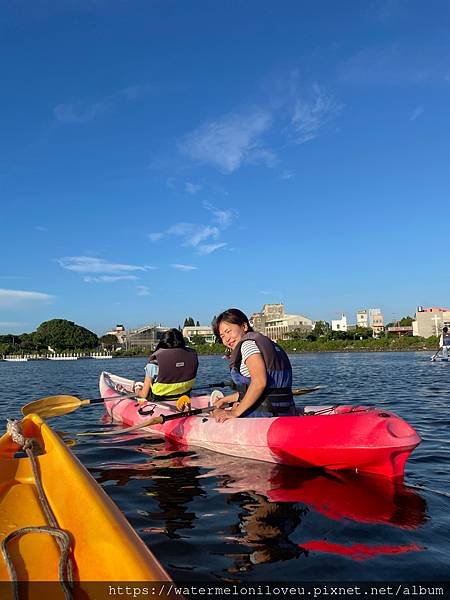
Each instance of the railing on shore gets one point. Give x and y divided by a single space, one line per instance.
55 356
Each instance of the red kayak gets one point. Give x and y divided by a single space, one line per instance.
355 438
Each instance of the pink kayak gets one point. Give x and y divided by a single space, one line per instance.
355 438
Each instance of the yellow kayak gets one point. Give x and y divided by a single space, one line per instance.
103 547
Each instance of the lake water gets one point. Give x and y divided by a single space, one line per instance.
212 517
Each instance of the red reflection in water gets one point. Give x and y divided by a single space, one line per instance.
358 551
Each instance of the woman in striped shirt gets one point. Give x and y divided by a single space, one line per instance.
260 369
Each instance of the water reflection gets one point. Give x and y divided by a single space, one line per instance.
267 504
172 486
265 528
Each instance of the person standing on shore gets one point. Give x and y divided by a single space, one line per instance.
259 368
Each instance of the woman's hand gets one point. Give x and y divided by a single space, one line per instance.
220 402
221 415
226 400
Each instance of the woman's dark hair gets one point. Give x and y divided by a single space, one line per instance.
173 338
445 329
231 315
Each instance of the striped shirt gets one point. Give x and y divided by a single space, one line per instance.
248 348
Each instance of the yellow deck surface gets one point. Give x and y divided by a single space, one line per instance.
105 547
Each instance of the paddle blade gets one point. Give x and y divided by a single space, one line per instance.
52 406
301 391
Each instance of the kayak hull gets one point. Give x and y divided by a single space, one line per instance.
104 547
340 438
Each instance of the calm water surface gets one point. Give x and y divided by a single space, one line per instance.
213 517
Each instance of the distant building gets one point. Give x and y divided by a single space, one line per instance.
147 336
430 321
400 330
376 316
362 318
119 332
204 331
372 318
276 324
339 324
377 324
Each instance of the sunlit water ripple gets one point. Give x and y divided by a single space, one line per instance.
213 517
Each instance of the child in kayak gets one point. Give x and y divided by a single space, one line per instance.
260 370
171 369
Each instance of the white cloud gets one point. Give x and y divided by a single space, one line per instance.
221 216
192 188
230 141
11 298
154 237
209 248
143 290
41 228
89 264
309 116
192 233
416 113
109 278
183 267
287 175
78 112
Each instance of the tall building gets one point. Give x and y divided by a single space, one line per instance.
373 318
430 321
276 324
362 318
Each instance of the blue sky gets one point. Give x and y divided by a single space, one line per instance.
165 159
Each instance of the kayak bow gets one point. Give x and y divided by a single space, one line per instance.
103 547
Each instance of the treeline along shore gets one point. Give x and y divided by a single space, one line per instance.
384 344
61 336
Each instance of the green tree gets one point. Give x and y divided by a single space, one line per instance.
62 335
198 339
321 328
109 341
406 321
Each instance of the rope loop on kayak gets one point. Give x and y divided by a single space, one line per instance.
65 567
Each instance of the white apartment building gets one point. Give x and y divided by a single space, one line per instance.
204 331
372 318
362 318
339 324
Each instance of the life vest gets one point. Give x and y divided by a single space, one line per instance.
276 399
177 368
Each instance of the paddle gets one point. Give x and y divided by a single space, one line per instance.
179 415
434 357
154 421
55 406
